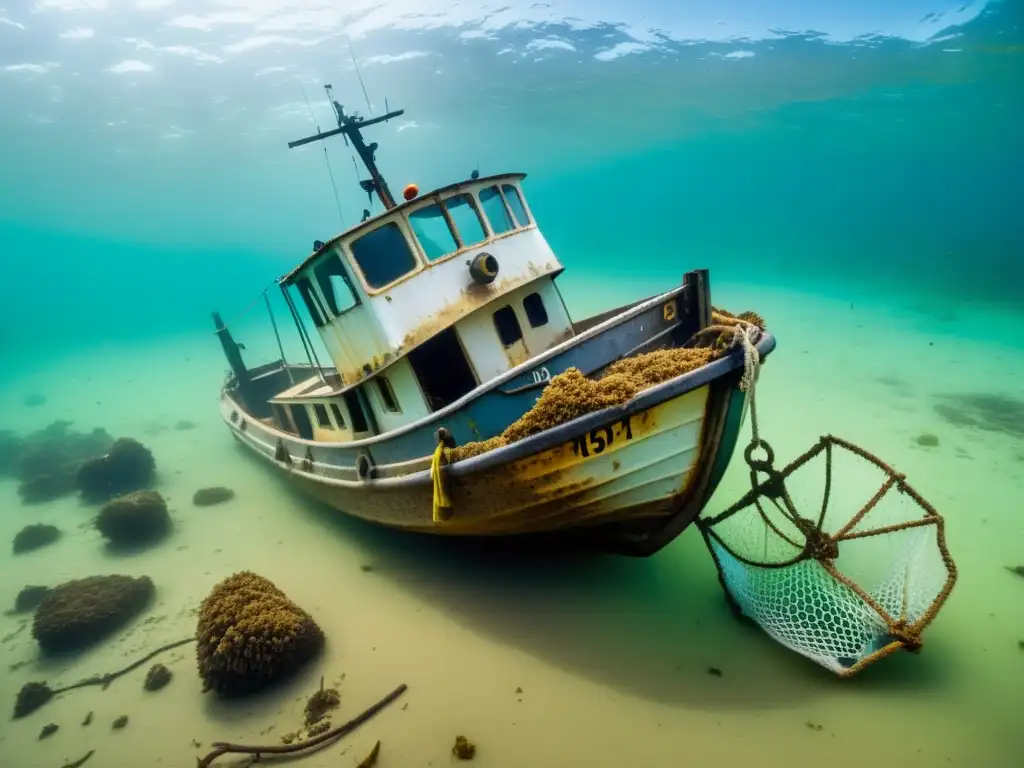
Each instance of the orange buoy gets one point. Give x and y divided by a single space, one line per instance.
410 191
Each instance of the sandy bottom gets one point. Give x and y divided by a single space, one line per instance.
580 661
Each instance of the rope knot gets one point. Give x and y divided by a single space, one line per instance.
818 544
906 636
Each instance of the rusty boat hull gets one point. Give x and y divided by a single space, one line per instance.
627 479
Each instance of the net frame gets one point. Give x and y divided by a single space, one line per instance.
823 547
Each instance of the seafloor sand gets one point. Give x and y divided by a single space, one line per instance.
611 654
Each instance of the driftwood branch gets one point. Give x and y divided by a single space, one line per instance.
223 748
110 677
80 761
34 695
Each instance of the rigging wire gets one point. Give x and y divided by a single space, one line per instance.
355 64
309 106
327 159
337 199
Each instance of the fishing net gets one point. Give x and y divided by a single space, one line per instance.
835 556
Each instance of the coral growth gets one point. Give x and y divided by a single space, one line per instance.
250 634
570 394
128 466
10 451
135 518
48 487
35 536
29 598
206 497
46 461
81 612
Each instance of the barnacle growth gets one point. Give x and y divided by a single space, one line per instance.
570 394
249 634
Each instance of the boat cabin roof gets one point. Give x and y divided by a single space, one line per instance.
374 221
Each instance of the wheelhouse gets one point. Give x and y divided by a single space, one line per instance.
419 306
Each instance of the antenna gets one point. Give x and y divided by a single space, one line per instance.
350 127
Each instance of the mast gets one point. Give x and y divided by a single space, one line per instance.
351 127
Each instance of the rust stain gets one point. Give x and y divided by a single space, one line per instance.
546 486
473 297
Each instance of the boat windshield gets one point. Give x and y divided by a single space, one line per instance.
437 236
383 255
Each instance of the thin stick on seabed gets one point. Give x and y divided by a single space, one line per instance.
223 748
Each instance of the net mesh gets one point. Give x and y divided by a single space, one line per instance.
840 576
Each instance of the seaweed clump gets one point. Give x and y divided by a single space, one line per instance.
464 749
570 394
128 466
250 635
136 518
80 612
320 704
35 536
206 497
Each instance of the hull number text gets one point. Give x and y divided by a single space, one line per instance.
540 375
597 440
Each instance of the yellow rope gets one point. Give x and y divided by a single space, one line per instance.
441 500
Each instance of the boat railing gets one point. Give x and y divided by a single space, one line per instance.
263 342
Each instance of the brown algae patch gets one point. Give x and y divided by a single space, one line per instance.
570 394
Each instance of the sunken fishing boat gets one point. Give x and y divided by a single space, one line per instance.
461 398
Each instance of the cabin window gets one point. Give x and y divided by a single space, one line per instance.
383 255
466 220
302 423
432 230
335 285
355 410
533 305
282 418
495 210
305 289
515 202
339 419
441 367
507 323
321 416
387 394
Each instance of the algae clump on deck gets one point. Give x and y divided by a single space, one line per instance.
570 394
